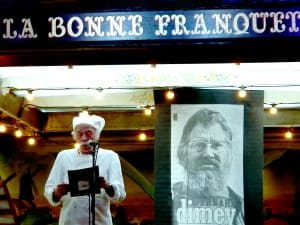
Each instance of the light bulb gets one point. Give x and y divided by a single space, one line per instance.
29 95
288 134
148 111
242 92
170 94
18 133
273 109
142 137
2 128
31 141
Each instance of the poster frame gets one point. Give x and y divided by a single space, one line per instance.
252 145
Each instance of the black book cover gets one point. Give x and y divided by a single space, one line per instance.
81 181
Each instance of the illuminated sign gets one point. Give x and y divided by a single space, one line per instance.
152 25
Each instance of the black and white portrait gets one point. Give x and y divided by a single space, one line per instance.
207 164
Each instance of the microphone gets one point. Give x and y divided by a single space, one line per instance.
92 143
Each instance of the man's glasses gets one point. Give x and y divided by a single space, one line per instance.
87 133
201 145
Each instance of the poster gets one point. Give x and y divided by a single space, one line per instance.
207 164
224 186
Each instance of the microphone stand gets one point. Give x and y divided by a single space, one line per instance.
93 191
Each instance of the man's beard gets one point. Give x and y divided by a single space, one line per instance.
206 178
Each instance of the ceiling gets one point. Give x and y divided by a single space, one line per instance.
57 88
120 92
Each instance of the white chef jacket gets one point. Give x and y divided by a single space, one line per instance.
76 210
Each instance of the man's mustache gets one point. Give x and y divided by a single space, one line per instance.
206 162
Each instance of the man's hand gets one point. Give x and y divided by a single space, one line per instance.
106 186
103 183
59 191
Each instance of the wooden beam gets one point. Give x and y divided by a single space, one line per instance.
12 107
11 104
115 120
284 117
120 141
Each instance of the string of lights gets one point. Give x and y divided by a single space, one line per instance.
169 93
242 93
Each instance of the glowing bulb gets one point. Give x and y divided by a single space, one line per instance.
31 141
273 109
288 135
142 137
2 128
242 92
147 111
18 133
170 94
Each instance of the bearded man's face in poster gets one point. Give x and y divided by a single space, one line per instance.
208 160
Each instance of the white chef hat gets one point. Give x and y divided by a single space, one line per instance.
93 120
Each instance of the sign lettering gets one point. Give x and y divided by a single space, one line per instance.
153 25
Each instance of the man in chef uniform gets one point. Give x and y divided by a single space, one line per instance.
76 210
